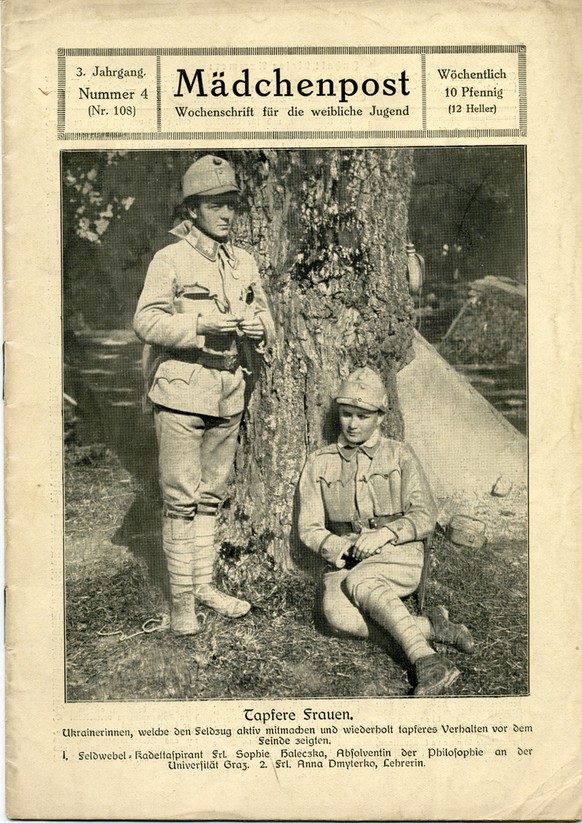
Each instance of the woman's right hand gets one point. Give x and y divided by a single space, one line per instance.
217 323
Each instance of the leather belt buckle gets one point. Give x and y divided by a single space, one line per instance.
358 525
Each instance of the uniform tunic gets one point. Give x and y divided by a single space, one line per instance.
380 478
184 281
198 408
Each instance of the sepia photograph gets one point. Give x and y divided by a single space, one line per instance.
295 423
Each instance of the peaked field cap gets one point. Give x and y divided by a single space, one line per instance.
209 175
363 389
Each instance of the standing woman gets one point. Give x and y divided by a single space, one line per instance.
202 300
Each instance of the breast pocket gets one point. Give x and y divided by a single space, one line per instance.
338 499
196 299
386 492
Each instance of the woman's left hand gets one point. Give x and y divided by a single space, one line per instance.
370 542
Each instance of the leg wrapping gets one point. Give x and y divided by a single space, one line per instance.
377 598
179 547
204 534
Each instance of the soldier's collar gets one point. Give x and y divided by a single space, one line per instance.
369 448
203 244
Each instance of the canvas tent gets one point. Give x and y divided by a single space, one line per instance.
464 443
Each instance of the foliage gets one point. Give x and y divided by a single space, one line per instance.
490 331
467 212
92 214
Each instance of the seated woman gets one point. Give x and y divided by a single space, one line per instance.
365 507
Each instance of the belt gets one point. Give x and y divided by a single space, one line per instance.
343 527
229 361
174 516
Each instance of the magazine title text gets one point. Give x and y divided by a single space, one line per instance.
201 83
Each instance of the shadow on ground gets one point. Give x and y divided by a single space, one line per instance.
104 375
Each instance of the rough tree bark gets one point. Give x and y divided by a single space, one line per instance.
329 229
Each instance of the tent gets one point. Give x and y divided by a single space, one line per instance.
464 444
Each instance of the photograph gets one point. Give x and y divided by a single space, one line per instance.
295 423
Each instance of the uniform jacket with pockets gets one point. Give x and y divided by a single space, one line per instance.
380 478
185 280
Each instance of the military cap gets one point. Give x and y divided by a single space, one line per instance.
209 175
363 389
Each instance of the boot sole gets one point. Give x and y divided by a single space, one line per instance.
227 614
438 688
188 633
241 614
223 611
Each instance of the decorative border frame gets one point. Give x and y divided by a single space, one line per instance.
424 133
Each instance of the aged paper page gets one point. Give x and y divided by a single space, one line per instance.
353 137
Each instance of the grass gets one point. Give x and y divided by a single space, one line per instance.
115 582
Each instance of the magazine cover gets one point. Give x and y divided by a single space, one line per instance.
291 421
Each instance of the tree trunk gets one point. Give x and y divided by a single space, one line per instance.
329 229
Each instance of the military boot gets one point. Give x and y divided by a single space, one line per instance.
183 619
203 576
433 674
179 548
456 635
